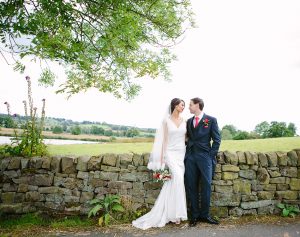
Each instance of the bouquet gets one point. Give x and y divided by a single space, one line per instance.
161 175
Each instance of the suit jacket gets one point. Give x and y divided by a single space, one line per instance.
199 138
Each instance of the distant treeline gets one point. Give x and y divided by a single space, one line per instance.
262 130
61 125
228 132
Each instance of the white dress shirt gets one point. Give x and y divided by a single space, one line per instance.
200 116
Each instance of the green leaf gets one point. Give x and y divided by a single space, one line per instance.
106 219
94 210
100 221
285 212
118 207
106 46
281 205
95 201
292 214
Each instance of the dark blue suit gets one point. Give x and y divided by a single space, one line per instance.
200 161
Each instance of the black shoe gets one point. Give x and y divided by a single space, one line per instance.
209 220
193 222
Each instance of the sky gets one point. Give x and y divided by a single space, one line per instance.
242 59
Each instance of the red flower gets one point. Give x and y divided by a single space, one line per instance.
206 122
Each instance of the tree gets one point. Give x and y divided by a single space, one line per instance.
241 135
226 134
102 43
76 130
132 132
277 129
57 130
228 131
291 129
97 130
6 122
262 129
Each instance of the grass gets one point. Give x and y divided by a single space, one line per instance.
42 220
96 149
43 225
257 145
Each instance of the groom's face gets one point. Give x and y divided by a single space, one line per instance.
193 107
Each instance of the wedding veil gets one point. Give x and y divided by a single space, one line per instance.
156 159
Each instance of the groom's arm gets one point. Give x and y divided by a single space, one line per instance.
216 137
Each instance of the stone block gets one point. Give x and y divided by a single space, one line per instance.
289 172
269 187
56 164
291 195
293 158
109 159
32 196
120 185
126 159
146 158
225 199
278 180
110 176
35 162
82 163
43 180
138 160
223 189
230 168
8 197
241 157
282 158
231 158
257 204
295 184
14 163
86 196
247 174
241 186
22 188
94 163
263 160
272 159
229 175
263 176
83 175
221 212
68 165
265 195
48 190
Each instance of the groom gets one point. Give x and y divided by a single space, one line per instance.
200 160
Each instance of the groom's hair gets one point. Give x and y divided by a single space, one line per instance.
199 101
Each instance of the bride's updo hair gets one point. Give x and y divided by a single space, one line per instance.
174 102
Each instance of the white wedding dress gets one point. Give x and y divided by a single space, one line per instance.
170 205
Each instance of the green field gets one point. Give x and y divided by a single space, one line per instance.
257 145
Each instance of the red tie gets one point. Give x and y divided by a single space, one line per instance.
197 121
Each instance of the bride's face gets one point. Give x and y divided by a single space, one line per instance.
180 107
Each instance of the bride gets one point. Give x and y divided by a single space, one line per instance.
168 150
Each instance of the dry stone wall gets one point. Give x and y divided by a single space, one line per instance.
244 182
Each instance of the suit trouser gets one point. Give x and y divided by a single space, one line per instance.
199 165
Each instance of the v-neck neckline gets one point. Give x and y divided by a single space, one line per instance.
175 123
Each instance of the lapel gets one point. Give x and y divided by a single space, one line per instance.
191 126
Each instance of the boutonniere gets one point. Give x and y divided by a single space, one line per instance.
206 122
